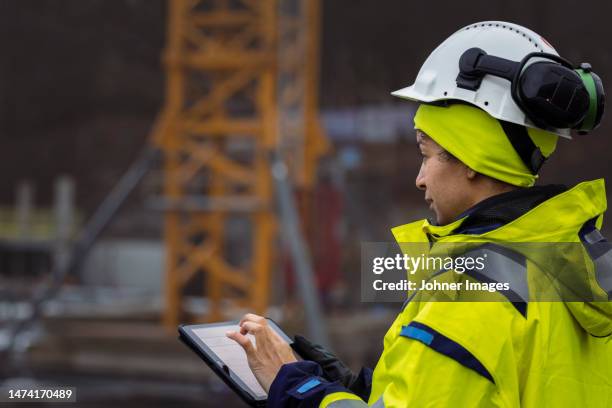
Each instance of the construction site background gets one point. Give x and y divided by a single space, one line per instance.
82 85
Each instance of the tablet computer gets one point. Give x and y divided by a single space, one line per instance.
226 357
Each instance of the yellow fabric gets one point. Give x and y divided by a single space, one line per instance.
411 374
478 140
337 396
551 358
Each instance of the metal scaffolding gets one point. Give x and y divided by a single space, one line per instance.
241 88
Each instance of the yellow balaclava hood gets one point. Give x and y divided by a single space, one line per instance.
478 140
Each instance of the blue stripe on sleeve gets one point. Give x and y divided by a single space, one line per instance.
417 334
444 345
313 382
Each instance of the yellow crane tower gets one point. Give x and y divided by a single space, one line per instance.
242 81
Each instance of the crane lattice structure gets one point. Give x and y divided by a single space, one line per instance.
242 78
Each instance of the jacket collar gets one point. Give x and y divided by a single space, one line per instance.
545 213
503 208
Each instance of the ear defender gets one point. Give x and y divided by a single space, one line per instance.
597 98
551 91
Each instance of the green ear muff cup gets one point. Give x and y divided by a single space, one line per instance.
595 111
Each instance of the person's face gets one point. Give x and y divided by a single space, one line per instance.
444 180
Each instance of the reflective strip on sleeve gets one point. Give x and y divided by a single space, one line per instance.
603 265
379 404
505 266
600 250
593 237
444 345
348 404
604 272
344 400
356 404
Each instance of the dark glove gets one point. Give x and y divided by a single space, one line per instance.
334 369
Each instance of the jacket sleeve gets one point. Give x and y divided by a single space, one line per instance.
417 374
302 385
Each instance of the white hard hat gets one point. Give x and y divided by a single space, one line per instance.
437 79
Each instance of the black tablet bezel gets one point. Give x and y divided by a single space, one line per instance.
189 338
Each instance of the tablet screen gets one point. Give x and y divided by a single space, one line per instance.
231 353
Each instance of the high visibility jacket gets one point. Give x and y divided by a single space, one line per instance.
491 354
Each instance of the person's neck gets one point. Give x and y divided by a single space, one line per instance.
488 191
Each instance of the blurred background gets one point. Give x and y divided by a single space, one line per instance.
174 161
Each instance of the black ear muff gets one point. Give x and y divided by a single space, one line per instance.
552 95
550 91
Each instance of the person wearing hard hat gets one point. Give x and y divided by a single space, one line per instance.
495 98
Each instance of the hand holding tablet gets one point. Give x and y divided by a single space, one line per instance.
267 353
247 360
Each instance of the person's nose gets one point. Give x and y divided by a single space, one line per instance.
420 179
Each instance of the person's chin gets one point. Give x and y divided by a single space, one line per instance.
441 220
